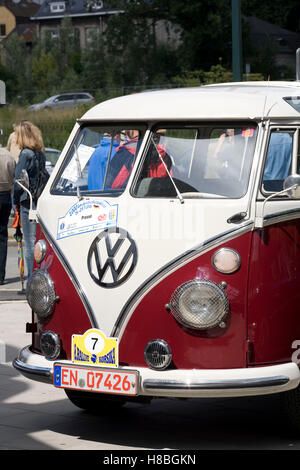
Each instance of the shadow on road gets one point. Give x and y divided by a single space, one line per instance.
240 423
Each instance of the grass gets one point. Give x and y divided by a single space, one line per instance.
55 125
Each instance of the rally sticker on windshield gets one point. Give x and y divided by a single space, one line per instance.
87 216
94 348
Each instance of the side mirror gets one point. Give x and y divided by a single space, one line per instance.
292 186
24 179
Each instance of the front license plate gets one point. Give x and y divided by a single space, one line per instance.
95 379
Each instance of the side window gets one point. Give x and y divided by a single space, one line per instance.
279 160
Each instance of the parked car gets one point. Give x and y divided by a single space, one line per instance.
51 158
65 100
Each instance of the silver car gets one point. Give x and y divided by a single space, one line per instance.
65 100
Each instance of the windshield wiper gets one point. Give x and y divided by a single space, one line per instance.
79 173
168 173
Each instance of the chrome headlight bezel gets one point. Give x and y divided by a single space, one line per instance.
199 304
40 293
226 260
40 250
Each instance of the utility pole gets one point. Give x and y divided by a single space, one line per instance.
237 55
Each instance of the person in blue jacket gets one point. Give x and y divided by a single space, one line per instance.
31 158
279 156
98 162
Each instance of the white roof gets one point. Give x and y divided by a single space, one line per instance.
245 100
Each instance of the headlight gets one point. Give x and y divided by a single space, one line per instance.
199 304
40 250
41 294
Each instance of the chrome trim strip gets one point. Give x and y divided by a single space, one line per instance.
282 216
40 374
70 273
151 384
180 261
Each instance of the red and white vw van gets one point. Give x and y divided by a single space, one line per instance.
167 261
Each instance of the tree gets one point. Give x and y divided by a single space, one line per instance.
204 25
93 62
44 71
62 53
134 56
206 32
285 14
8 78
17 64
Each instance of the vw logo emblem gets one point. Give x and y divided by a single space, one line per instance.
112 257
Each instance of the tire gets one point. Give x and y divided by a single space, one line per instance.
95 402
290 404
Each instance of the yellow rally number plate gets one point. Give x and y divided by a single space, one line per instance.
94 379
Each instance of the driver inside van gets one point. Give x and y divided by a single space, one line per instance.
122 162
157 163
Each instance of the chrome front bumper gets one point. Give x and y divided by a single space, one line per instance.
185 383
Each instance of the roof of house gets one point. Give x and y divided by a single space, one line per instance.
21 8
73 8
287 41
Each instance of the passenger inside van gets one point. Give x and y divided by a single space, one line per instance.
122 161
99 159
225 140
230 151
278 161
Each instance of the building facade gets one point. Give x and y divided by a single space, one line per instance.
15 16
88 18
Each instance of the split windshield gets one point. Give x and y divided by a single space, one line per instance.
195 161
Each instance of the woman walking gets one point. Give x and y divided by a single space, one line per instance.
31 159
